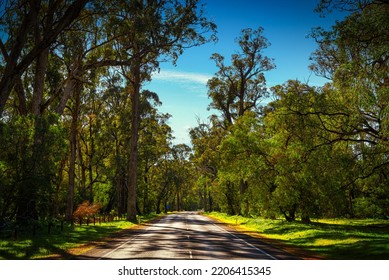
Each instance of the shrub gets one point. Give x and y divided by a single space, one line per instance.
86 210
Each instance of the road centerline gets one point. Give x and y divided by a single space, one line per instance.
185 235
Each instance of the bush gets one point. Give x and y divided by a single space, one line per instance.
366 208
86 210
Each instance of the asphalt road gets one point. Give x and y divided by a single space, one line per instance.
186 235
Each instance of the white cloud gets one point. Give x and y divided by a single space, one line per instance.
182 77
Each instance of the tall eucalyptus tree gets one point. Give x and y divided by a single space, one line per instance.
157 30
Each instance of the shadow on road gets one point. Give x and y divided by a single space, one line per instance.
185 236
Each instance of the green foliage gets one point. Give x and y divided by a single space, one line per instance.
30 165
241 86
313 151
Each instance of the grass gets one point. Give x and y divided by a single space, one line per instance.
61 244
336 239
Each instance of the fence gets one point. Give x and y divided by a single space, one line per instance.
13 230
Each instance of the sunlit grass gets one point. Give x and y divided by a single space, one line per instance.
329 238
61 244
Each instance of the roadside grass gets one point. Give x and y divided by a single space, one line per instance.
61 244
335 239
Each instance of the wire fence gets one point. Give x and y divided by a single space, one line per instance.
14 230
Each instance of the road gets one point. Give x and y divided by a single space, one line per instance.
185 235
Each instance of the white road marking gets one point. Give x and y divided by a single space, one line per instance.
126 242
251 245
169 218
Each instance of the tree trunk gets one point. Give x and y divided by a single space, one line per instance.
91 160
26 195
73 154
121 193
203 199
39 82
158 208
290 215
210 200
10 73
146 207
19 89
178 198
230 199
132 172
121 189
56 201
15 64
68 89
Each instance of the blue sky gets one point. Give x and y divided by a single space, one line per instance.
182 88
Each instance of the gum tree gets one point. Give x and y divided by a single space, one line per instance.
157 30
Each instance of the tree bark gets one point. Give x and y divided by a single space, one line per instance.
42 61
10 73
132 172
73 154
15 69
68 89
40 74
146 207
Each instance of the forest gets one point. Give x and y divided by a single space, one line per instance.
78 131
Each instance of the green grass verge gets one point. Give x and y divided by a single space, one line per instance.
337 239
59 244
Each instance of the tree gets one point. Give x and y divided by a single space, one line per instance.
245 163
158 30
16 55
154 143
241 86
206 138
300 153
354 54
236 90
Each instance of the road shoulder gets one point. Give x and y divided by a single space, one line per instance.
291 252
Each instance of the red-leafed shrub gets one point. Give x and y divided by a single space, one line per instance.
86 210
